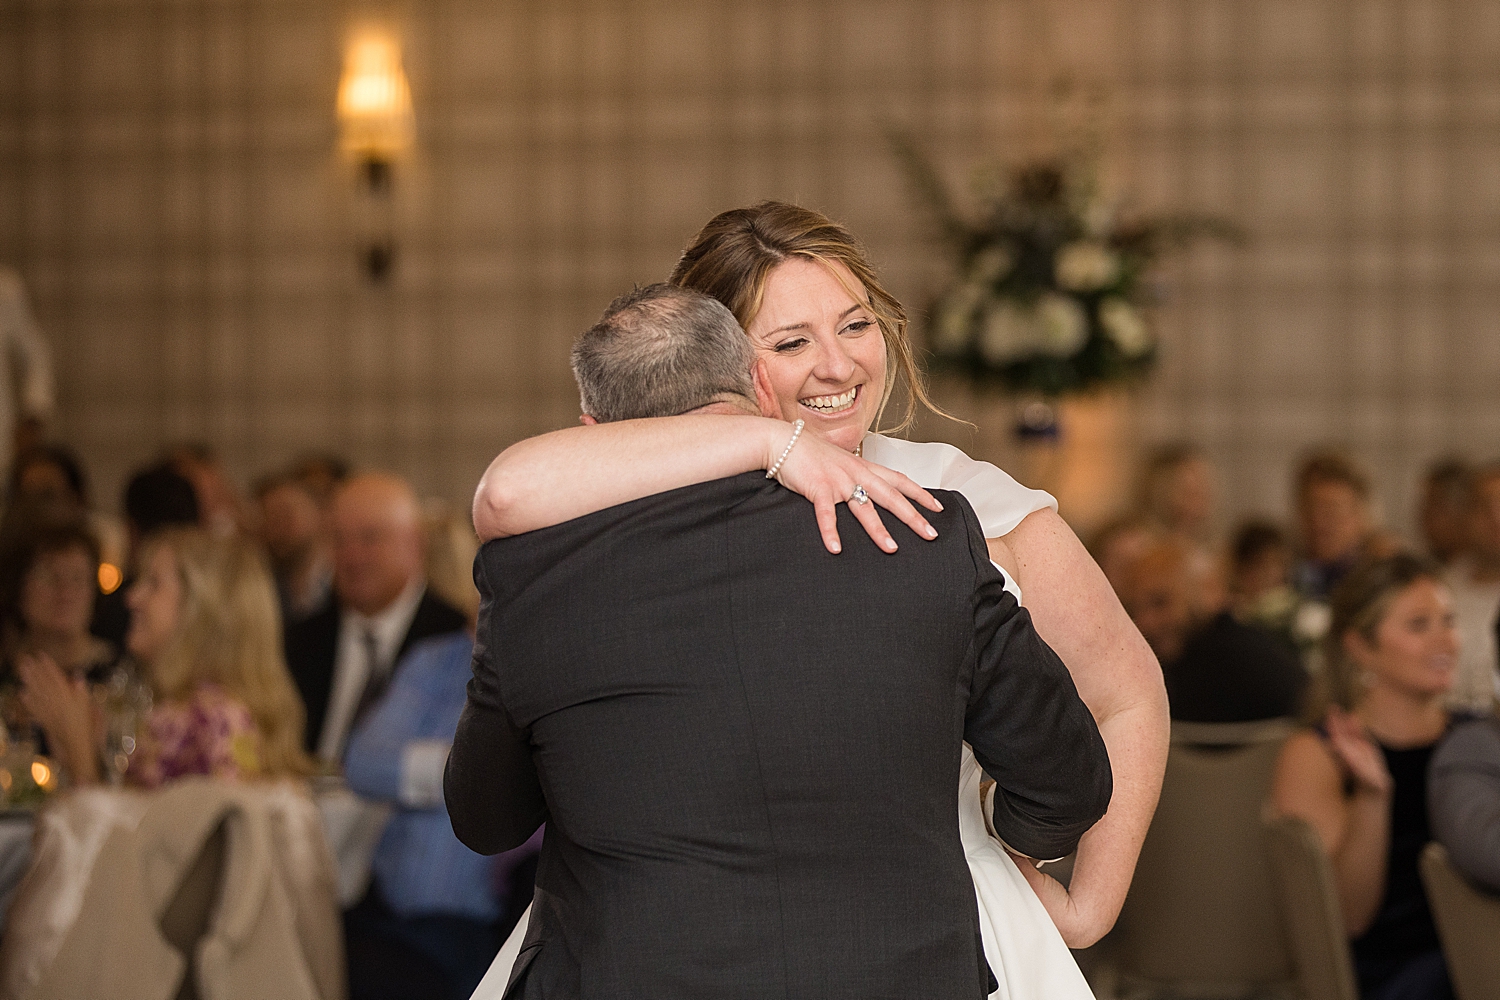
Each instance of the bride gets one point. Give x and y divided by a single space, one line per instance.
831 347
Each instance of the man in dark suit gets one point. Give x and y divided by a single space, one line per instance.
343 655
746 749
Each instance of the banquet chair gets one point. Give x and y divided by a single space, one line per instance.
1468 923
1200 918
1314 924
186 918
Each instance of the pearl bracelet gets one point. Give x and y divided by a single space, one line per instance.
776 466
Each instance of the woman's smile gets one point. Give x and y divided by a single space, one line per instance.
832 404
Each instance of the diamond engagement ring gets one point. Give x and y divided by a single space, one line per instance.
859 495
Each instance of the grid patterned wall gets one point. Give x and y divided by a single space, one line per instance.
169 188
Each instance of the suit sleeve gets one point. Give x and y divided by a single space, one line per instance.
490 782
1029 729
1463 798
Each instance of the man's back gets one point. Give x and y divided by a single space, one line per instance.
749 749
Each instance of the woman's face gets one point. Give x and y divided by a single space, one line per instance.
823 351
57 596
155 602
1416 643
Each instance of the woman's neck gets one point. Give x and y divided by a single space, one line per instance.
1400 719
68 650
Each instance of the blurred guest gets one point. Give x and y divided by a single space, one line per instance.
51 474
1157 589
49 572
1443 512
292 529
219 505
1118 544
1242 664
156 497
1338 530
204 626
1177 492
1260 567
1463 799
342 656
1474 578
1360 777
26 390
434 916
321 473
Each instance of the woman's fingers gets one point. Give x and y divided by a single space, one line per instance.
867 515
828 522
907 486
891 498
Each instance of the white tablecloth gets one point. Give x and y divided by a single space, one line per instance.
353 826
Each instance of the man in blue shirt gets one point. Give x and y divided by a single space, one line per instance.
436 912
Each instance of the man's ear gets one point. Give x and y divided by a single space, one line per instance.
770 406
587 420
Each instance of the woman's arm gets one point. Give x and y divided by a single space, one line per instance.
556 477
1076 612
1309 784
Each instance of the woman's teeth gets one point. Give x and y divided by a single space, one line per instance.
831 404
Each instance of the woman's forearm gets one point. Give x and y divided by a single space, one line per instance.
1118 677
1360 860
556 477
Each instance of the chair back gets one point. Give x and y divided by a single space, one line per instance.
1314 924
1201 917
186 918
1468 923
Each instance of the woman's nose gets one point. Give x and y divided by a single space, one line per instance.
834 363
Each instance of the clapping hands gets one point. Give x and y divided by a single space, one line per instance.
1357 753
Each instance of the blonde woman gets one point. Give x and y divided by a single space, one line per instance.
205 628
1360 777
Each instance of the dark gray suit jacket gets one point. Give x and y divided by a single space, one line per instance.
747 749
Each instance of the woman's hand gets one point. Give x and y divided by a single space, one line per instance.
1358 753
64 709
827 474
1078 928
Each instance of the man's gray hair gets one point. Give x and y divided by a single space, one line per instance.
659 351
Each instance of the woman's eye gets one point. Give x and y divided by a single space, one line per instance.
859 326
786 346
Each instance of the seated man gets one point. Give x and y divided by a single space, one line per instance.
436 912
1463 799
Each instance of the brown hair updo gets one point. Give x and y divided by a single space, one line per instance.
1358 605
732 257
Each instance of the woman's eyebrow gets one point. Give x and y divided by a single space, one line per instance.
804 324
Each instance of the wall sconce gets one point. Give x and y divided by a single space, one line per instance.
375 127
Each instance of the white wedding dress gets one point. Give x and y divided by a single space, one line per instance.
1023 946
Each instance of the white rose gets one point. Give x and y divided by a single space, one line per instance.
955 319
1064 325
1086 266
1125 326
1010 331
991 264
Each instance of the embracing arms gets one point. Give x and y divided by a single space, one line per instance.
1028 727
556 477
490 784
1118 677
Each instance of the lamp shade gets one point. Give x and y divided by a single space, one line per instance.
374 106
